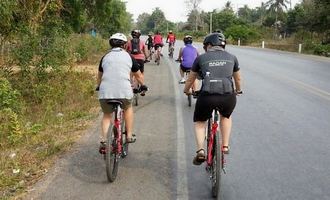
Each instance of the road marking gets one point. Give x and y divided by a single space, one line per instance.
182 181
309 88
298 84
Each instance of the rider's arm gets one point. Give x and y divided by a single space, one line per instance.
100 73
190 81
180 54
237 76
237 80
145 52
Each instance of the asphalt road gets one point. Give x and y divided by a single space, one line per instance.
280 145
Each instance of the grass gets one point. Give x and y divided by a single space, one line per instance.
56 111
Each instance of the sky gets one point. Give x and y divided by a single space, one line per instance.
176 10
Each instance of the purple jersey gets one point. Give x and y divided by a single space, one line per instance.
189 53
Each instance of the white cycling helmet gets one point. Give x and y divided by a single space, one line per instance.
117 40
119 36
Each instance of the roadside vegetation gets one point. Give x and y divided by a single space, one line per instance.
46 98
276 22
47 93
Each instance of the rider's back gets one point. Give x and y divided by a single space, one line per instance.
116 67
189 54
158 39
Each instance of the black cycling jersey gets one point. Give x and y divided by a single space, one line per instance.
217 65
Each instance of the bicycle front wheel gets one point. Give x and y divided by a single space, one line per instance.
216 166
112 157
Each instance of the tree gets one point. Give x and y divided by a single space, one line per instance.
193 7
276 6
157 20
142 23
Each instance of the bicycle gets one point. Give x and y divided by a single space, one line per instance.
158 53
189 96
116 145
171 49
215 160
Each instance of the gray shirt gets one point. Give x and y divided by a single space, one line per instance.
116 67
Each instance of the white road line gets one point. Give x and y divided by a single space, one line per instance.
182 183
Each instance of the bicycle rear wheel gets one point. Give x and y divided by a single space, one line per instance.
189 100
136 99
216 166
123 140
112 157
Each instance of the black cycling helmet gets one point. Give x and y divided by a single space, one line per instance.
215 39
187 39
136 33
117 40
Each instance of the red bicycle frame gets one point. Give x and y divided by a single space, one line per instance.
210 151
117 124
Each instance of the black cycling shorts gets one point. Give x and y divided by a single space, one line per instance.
158 45
141 65
184 69
206 103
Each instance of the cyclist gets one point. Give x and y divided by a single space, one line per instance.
170 40
158 44
139 52
114 83
137 49
216 68
150 44
187 55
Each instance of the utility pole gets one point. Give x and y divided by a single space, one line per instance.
210 22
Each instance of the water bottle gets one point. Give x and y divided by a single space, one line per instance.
206 82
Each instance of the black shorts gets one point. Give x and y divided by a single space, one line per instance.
206 103
141 65
184 69
158 45
150 47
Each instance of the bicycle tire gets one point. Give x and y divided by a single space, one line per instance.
136 99
123 140
216 166
112 157
189 100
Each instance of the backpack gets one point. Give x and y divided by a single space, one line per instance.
135 46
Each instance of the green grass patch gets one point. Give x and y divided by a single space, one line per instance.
40 119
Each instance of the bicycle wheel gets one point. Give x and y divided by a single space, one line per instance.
112 158
189 100
136 99
123 140
216 166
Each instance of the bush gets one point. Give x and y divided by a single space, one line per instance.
10 128
244 33
322 50
9 97
84 46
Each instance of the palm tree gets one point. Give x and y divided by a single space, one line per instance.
276 6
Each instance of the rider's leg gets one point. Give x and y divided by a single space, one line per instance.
225 127
181 73
128 115
195 85
200 134
105 123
